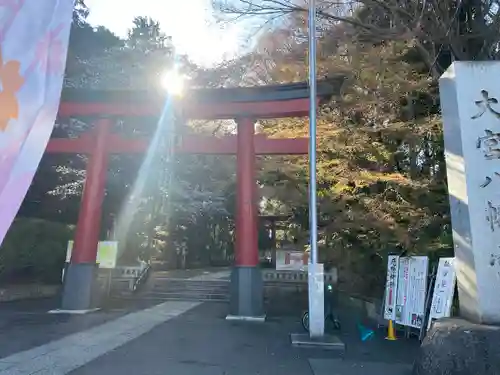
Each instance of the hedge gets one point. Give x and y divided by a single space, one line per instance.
34 250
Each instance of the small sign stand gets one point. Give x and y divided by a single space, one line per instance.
406 293
438 298
443 291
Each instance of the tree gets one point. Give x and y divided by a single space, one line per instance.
441 31
381 181
146 35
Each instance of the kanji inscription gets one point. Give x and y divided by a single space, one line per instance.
485 105
493 215
489 144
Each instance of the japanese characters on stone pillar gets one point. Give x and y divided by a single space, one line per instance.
470 94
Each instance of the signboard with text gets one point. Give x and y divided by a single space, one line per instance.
290 260
411 291
391 287
444 288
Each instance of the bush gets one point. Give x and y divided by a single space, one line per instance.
34 250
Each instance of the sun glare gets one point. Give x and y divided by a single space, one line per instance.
173 82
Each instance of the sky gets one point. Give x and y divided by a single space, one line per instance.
190 23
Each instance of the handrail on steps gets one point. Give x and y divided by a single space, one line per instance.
142 277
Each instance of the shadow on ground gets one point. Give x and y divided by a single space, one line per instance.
25 324
202 342
288 308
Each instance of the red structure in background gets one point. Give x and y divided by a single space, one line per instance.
245 105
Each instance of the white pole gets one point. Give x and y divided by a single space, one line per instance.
312 133
316 275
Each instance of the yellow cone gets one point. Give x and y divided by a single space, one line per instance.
391 334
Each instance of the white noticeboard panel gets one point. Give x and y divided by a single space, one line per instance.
107 252
290 260
411 291
391 287
444 288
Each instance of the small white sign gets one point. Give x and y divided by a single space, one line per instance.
291 260
411 291
444 288
391 286
107 253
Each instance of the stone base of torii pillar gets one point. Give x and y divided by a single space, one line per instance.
246 295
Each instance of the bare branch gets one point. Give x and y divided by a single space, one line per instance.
467 30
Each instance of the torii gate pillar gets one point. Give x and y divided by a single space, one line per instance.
79 278
247 289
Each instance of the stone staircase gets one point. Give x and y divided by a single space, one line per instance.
186 290
213 287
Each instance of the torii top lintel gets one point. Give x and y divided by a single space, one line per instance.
259 102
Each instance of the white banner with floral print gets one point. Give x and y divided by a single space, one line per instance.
34 36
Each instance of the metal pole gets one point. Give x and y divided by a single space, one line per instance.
315 274
313 220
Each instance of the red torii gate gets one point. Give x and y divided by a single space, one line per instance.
245 105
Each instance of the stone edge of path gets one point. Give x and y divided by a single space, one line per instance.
30 291
73 351
457 346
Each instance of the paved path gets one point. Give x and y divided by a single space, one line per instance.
26 324
202 342
71 352
350 367
182 338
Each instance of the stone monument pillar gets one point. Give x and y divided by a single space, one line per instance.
470 95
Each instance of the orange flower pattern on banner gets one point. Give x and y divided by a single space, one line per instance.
10 83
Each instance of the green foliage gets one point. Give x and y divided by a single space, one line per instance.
34 250
381 176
